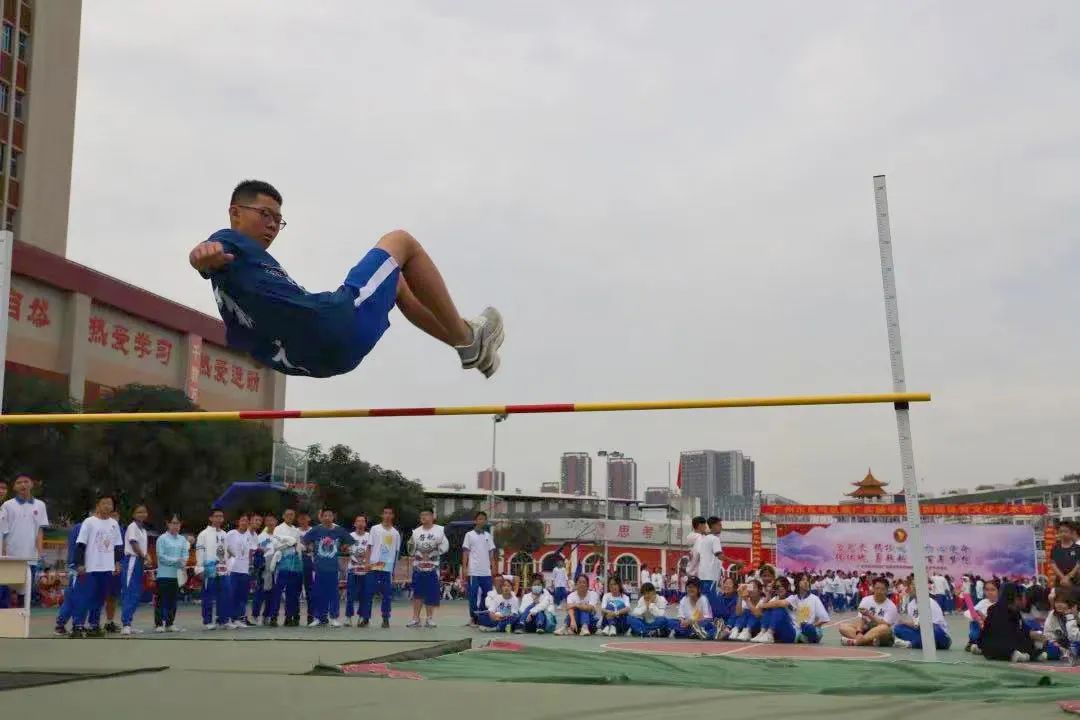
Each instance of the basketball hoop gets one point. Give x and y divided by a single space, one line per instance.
303 489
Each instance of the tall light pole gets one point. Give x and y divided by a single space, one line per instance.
607 455
495 420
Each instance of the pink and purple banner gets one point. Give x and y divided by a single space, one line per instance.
986 550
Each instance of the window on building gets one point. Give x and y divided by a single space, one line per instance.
1066 501
20 101
519 507
626 568
3 153
15 155
9 32
24 46
449 506
3 98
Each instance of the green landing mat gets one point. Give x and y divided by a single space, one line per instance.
980 680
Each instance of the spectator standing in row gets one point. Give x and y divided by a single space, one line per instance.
98 552
172 550
427 544
326 542
22 519
211 564
477 561
238 548
357 568
385 548
136 559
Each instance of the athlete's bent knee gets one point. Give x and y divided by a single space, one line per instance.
400 244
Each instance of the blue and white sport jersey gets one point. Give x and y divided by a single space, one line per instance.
426 546
614 603
269 316
385 548
504 606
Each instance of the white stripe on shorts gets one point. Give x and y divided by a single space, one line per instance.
373 283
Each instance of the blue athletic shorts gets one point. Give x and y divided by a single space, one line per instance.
426 586
374 282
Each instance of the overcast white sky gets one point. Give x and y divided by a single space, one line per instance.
665 200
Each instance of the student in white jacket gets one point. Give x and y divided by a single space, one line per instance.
502 611
648 619
582 609
537 610
210 563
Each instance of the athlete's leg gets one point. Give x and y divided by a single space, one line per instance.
427 283
418 314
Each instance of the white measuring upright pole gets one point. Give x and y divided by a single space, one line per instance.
903 422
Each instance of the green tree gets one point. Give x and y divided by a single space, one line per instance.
1027 481
51 454
526 535
351 486
173 467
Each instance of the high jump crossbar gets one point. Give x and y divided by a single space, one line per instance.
897 399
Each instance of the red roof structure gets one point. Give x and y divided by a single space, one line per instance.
869 488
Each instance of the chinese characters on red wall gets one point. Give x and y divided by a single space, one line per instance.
29 309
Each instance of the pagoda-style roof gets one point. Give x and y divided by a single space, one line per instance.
868 487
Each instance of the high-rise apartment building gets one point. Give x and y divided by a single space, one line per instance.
576 473
717 478
622 478
483 480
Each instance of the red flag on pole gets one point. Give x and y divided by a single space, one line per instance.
678 477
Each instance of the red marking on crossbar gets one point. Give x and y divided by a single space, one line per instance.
745 650
269 414
545 408
401 412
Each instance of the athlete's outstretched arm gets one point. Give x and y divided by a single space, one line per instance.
209 256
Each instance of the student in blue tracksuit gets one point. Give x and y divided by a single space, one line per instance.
648 618
211 562
326 541
477 564
264 605
258 565
614 609
71 603
303 524
136 557
385 548
289 577
98 551
272 318
726 602
357 568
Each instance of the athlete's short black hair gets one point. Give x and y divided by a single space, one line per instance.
248 190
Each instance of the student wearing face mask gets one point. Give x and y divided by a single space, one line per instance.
536 614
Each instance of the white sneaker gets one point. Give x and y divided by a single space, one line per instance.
846 641
903 644
976 650
1019 657
353 621
429 623
175 628
314 623
126 630
159 629
742 636
765 636
584 631
210 626
483 352
413 624
232 626
335 623
561 630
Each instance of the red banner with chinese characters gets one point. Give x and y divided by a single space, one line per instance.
1049 540
899 510
755 543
